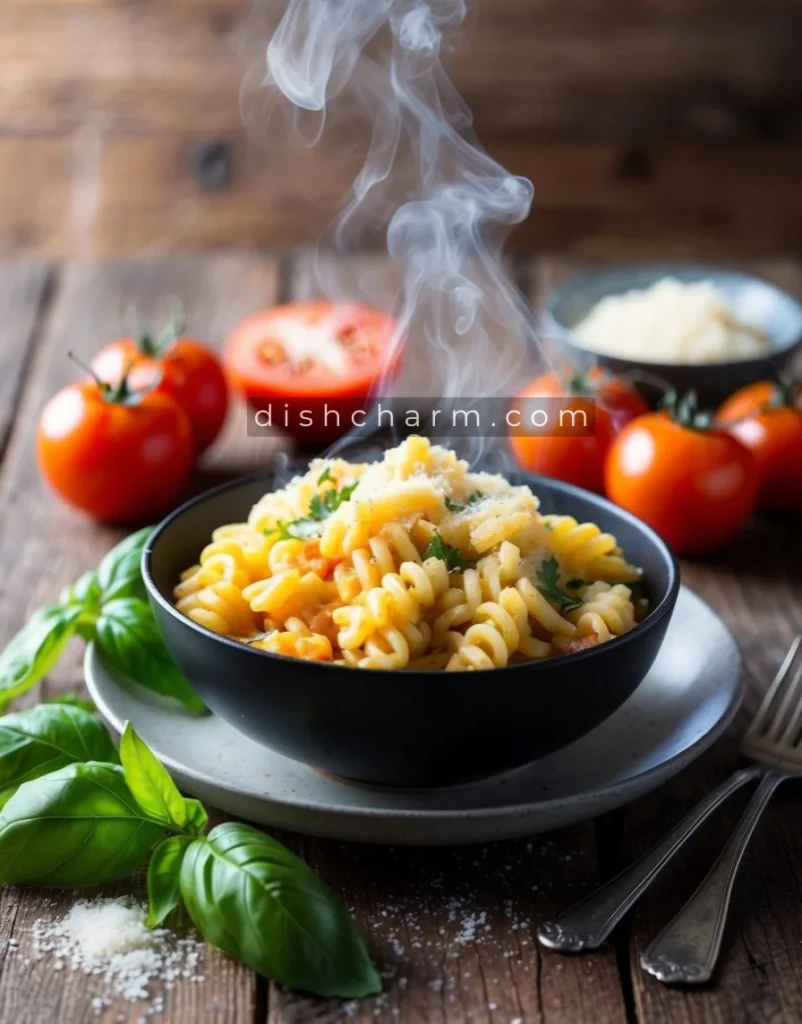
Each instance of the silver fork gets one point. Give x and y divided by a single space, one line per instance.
688 948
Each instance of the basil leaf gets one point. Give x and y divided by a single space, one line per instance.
152 787
49 736
261 904
84 591
35 649
164 893
119 574
76 826
127 634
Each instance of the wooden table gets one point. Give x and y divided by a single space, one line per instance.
412 904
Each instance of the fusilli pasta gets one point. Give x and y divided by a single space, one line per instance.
413 562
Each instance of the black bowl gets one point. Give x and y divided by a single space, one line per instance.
754 301
407 728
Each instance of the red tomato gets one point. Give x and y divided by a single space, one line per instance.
122 458
579 460
310 351
767 419
190 373
696 487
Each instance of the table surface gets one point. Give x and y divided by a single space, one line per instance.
411 903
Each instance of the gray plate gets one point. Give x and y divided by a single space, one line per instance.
683 705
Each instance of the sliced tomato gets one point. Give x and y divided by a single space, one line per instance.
306 349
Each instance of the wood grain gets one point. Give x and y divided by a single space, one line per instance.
92 194
453 932
523 67
24 296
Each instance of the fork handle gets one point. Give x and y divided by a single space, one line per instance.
687 949
587 924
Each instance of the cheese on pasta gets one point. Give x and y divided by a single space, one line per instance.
410 562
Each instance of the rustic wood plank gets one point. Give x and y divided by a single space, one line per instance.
453 933
545 68
35 552
97 194
24 295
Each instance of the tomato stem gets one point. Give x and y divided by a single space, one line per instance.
121 393
158 348
685 411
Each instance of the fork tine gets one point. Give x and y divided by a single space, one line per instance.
787 705
792 729
783 673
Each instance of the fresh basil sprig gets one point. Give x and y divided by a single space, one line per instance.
93 822
261 904
47 737
108 606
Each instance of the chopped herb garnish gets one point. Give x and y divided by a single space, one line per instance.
324 476
460 506
320 508
438 549
548 574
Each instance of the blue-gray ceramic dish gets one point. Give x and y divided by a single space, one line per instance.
407 728
753 300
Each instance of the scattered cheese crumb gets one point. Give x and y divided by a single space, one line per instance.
108 937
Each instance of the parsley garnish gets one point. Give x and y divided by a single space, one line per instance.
324 476
437 549
457 506
550 588
320 508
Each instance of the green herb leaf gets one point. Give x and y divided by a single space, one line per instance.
35 649
460 506
438 549
549 576
324 476
260 903
164 870
85 592
49 736
119 574
320 507
152 787
128 637
74 827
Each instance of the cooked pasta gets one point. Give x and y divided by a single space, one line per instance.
413 562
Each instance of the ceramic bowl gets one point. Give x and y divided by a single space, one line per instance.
753 300
420 728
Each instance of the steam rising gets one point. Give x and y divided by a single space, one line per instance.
427 188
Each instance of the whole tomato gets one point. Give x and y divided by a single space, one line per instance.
694 484
767 419
177 366
562 453
122 456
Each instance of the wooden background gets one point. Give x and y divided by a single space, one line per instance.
648 126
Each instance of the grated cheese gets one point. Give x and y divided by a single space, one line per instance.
108 937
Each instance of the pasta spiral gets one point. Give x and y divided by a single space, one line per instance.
412 562
584 551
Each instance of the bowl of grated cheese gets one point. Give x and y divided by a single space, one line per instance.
693 326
